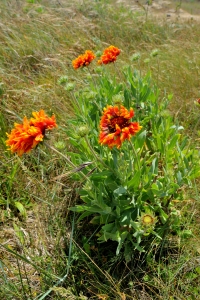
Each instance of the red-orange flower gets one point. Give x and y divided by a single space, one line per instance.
23 137
30 133
116 127
109 55
41 120
83 60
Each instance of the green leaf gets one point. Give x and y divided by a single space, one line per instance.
120 191
85 214
100 176
154 166
78 208
135 181
163 216
121 240
173 142
137 247
140 139
21 208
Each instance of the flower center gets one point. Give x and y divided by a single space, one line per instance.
120 121
147 220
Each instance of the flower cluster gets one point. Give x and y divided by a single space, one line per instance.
83 60
115 126
30 133
109 55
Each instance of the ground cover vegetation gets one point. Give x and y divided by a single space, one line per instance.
99 151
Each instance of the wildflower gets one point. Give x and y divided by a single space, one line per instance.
148 220
109 55
30 133
24 137
115 126
83 60
41 120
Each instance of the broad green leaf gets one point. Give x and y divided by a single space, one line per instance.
135 181
21 208
120 191
173 142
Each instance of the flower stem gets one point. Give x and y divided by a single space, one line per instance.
136 155
117 71
65 157
94 153
93 79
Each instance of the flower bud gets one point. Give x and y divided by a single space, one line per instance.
147 60
83 131
135 56
63 80
70 86
60 145
154 52
98 54
118 99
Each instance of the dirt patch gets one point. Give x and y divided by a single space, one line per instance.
160 9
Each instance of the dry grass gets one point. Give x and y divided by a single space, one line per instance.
39 39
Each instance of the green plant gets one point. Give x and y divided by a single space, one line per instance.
130 192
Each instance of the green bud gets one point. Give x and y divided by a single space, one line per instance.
135 56
60 145
83 131
89 76
70 86
63 80
98 69
154 52
147 60
118 99
98 53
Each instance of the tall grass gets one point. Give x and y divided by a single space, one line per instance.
43 253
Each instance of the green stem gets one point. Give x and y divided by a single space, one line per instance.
135 153
93 79
117 71
95 155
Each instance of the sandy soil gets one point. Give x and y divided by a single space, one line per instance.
161 9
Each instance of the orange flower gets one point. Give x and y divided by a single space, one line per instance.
30 133
116 127
41 120
109 55
24 137
83 60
